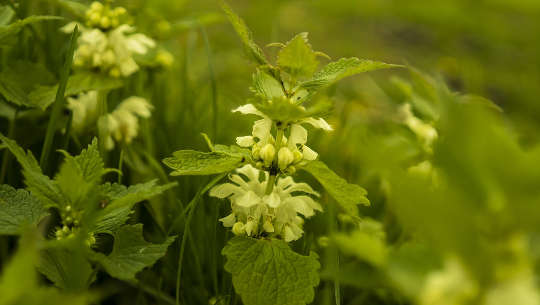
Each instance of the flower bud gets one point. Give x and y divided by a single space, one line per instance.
267 154
285 157
267 226
95 17
105 22
256 152
238 228
251 227
298 156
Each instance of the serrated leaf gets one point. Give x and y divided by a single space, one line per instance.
12 29
18 208
265 86
19 78
119 202
67 269
268 272
80 174
340 69
44 96
131 253
36 182
191 162
347 195
253 50
297 58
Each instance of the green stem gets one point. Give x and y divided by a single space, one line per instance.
59 101
120 161
270 184
7 155
102 109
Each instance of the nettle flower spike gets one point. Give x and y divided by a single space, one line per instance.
108 44
292 150
257 214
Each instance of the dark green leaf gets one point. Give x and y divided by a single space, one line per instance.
268 272
131 253
18 208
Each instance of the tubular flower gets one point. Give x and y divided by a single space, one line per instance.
425 132
255 214
292 150
122 125
84 109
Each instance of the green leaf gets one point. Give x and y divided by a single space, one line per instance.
347 195
366 243
342 68
36 182
119 200
7 31
6 14
19 78
79 175
18 208
68 270
76 8
253 50
265 86
268 272
131 253
297 57
283 110
44 96
191 162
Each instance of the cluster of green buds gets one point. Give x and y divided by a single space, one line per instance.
104 16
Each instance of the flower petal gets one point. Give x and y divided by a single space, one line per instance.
249 109
272 200
262 129
247 200
298 135
318 123
246 141
229 220
308 153
224 190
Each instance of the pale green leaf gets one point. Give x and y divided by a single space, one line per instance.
297 57
43 96
342 68
281 109
268 272
253 50
18 208
266 86
36 182
119 201
191 162
6 14
366 243
131 253
347 195
77 8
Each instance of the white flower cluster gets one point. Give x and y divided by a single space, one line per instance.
255 213
122 125
292 150
109 49
84 109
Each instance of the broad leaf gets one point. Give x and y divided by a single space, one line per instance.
118 202
37 183
284 110
268 272
347 195
253 50
18 208
131 253
342 68
191 162
43 96
297 57
366 243
67 269
19 78
8 31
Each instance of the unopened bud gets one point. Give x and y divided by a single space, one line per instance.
238 228
298 156
267 154
105 22
285 157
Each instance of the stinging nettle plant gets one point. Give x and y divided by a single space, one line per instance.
268 206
